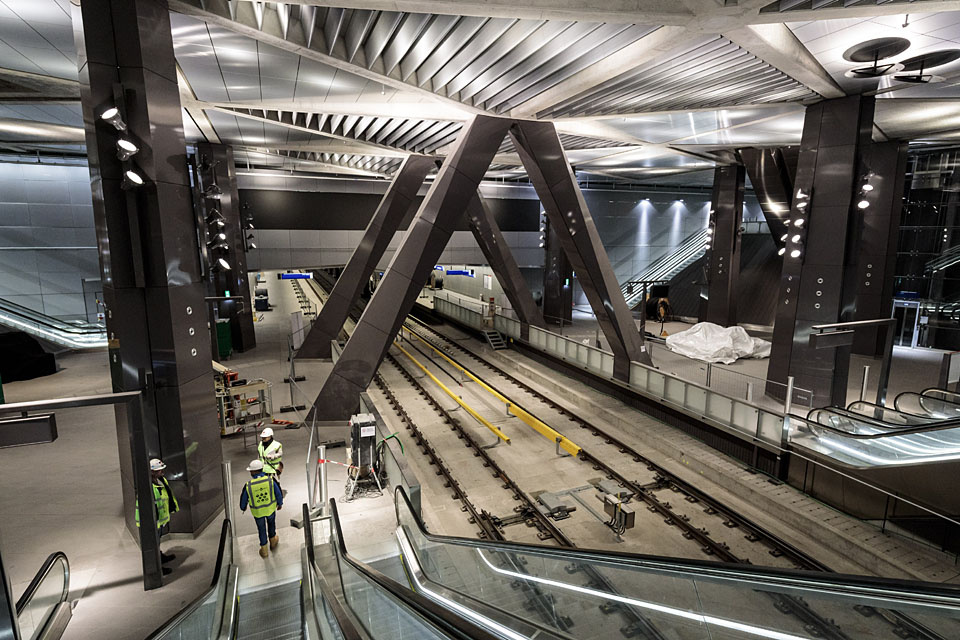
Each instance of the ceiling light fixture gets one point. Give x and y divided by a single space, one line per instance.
131 180
126 149
112 117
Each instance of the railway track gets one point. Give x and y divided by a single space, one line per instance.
492 527
818 625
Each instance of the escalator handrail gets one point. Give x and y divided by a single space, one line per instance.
921 396
881 409
435 614
226 534
904 591
41 575
894 430
937 389
53 323
345 622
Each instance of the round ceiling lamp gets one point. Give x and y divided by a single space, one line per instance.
919 64
874 51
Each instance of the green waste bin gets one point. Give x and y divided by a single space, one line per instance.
224 338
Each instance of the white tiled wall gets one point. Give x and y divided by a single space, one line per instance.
47 238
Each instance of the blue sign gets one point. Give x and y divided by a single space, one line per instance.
296 276
438 268
460 272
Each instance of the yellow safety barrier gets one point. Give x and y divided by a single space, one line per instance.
466 407
538 425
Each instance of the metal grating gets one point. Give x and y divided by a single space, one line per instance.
407 134
302 160
782 6
494 64
711 73
571 143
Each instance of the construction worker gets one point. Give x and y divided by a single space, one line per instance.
165 504
263 495
271 453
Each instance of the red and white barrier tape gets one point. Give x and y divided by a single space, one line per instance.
324 461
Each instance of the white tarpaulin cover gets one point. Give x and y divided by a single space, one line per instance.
712 343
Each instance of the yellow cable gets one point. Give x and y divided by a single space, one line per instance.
538 425
480 419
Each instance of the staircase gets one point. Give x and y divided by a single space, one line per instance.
494 339
689 251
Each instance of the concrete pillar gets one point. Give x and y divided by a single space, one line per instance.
557 279
723 256
818 283
886 163
215 165
149 255
495 250
396 202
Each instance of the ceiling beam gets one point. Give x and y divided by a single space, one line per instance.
640 52
271 32
188 100
37 87
872 10
373 109
776 45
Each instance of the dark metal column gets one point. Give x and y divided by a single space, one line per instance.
773 185
723 256
543 158
557 279
877 246
216 166
398 199
818 285
455 186
150 262
495 250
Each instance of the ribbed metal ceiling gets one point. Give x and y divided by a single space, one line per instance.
408 134
714 72
806 5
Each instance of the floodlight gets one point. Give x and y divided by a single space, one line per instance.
112 116
126 149
131 180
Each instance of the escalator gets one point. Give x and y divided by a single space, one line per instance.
43 610
72 335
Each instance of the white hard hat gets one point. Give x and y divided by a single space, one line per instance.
255 465
266 433
157 465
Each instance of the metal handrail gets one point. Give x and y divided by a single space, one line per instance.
41 575
892 590
943 425
226 533
50 321
433 613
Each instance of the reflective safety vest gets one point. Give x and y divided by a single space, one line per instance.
271 456
163 499
263 499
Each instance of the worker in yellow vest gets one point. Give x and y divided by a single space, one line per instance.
263 495
271 453
165 504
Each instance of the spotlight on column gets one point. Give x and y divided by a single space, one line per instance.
795 253
131 180
795 238
706 246
863 204
112 117
217 245
541 245
709 231
798 222
867 187
213 192
782 251
216 218
784 237
220 265
126 149
252 245
248 226
250 237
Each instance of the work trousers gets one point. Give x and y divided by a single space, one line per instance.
266 527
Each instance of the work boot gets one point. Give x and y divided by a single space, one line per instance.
167 557
274 541
264 552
